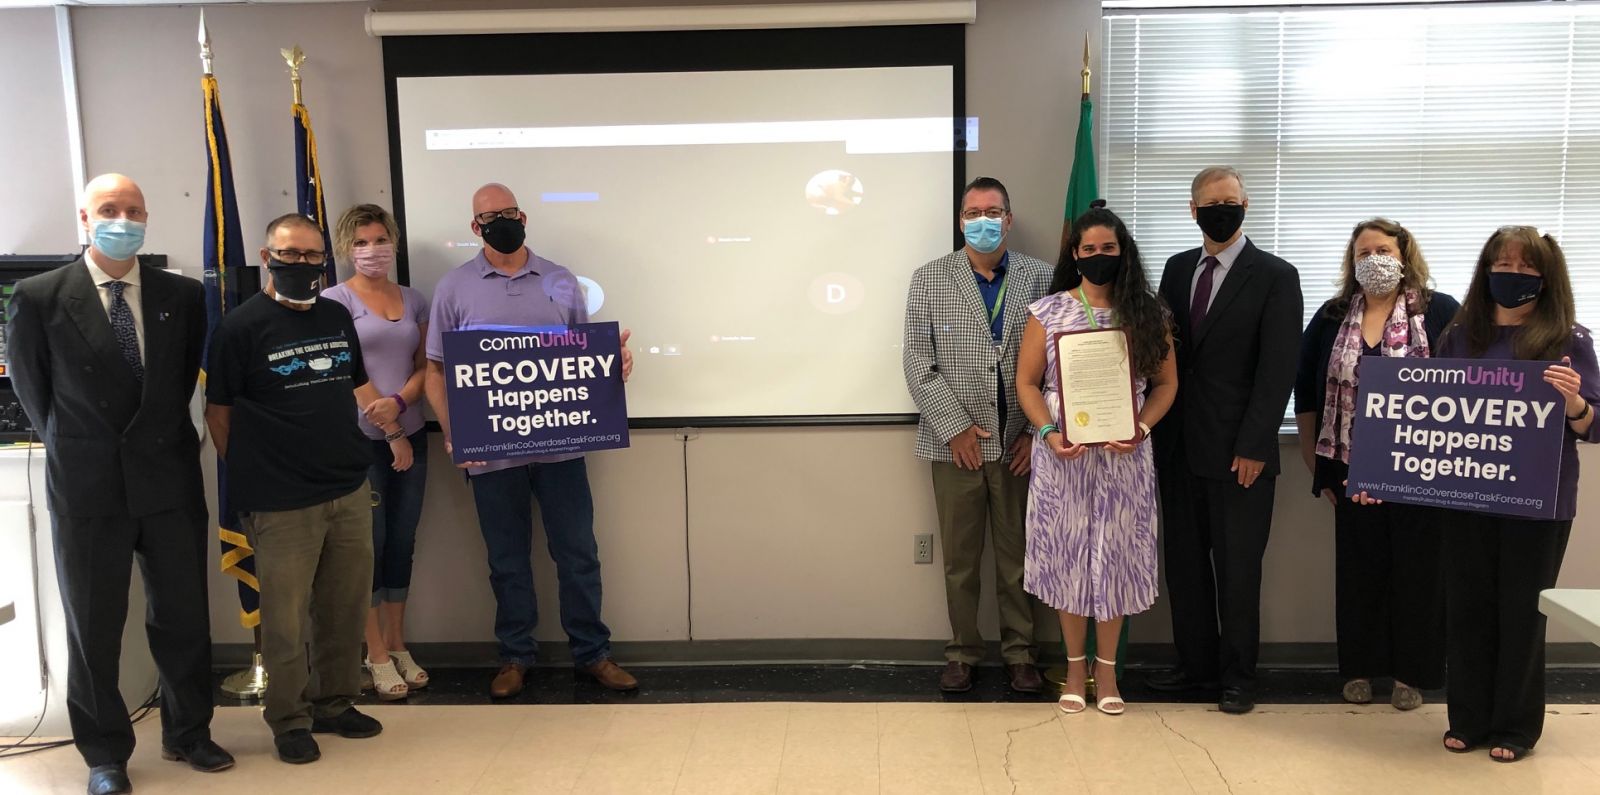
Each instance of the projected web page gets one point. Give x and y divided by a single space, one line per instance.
756 230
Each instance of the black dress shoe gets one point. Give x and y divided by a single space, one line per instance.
297 747
350 723
1236 701
109 780
1177 680
957 677
204 756
1025 678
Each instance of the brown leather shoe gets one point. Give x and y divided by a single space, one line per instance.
957 677
1025 678
508 682
611 676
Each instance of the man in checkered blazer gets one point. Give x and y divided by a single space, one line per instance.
964 318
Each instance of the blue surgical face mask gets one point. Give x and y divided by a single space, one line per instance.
118 238
984 234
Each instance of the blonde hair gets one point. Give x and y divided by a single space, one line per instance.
344 232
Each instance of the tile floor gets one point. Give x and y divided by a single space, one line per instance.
922 748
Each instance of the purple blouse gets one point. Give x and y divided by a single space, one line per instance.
389 348
1581 350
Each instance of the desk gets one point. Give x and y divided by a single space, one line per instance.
1577 608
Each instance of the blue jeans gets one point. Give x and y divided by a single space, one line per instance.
396 510
505 516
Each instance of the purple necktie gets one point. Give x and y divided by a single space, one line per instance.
1202 295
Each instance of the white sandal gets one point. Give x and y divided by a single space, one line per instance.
1110 705
1072 703
386 681
416 678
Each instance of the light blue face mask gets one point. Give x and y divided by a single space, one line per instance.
118 238
983 234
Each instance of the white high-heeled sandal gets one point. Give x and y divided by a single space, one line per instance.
1072 703
1110 705
386 681
416 678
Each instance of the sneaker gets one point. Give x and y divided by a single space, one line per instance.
350 723
297 747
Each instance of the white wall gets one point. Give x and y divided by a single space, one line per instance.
37 198
796 533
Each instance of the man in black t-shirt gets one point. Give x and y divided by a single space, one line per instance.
279 403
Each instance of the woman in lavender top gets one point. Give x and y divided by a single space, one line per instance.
392 323
1091 548
1518 307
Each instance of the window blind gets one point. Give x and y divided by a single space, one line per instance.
1450 120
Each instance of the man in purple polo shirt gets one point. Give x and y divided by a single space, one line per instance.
508 285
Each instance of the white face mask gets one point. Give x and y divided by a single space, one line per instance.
1378 274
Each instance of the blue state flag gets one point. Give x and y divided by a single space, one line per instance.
308 184
224 263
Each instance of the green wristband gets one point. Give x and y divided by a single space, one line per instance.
1045 431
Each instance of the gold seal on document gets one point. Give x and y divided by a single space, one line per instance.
1082 418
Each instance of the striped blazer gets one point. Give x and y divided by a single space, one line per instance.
950 358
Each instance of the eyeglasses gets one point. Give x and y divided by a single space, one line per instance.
291 256
993 213
488 217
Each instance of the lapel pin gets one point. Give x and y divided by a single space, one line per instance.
165 315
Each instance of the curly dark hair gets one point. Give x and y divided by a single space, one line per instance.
1136 308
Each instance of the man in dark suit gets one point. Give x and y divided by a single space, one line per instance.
104 356
1238 315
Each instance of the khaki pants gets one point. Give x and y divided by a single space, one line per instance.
971 504
313 564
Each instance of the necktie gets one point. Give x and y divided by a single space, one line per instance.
122 328
1202 295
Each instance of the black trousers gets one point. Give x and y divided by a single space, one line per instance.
1389 580
1495 567
1213 534
94 562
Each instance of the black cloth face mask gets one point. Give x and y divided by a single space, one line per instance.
1219 222
298 283
504 235
1100 269
1512 290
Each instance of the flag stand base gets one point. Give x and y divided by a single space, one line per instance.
1055 678
249 683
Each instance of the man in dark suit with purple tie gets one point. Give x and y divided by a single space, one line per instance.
1238 315
104 357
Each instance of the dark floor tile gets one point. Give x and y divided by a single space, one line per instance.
874 683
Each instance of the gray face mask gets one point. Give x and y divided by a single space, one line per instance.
1378 274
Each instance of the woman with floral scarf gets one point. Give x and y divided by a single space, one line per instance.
1388 581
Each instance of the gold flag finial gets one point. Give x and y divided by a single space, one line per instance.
1086 65
295 58
205 44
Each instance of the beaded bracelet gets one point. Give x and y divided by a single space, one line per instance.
395 436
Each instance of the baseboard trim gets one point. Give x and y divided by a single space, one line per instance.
858 651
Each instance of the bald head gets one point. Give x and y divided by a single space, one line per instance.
111 196
492 197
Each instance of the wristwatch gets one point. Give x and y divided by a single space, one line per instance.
1581 414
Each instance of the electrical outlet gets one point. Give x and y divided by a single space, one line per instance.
922 548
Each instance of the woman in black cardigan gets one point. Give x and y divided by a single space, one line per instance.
1389 584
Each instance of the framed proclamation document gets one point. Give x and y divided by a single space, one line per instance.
1095 376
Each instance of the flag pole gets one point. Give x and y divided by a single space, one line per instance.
250 683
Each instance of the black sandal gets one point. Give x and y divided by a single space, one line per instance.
1467 745
1518 752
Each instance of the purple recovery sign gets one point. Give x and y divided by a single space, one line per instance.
1472 434
517 392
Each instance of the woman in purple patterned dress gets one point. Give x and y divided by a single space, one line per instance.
1092 510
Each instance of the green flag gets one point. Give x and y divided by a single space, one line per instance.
1082 186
